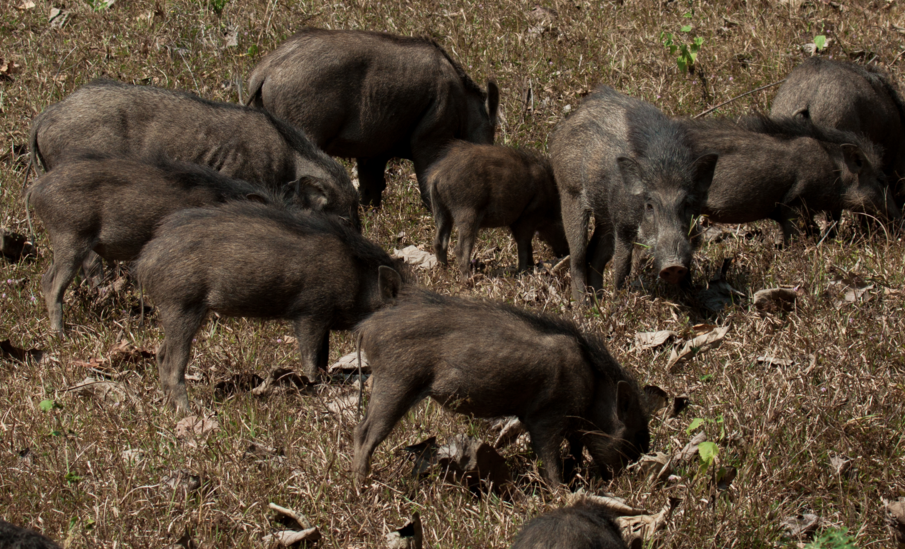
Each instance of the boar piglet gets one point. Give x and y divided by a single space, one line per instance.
374 96
111 205
256 260
583 525
490 360
777 168
106 116
16 537
856 98
483 186
641 176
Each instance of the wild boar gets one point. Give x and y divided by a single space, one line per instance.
855 98
111 205
641 175
16 537
374 96
583 525
262 261
111 117
483 186
490 360
777 168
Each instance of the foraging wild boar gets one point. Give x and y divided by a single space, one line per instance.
490 360
775 168
583 525
111 205
642 177
16 537
111 117
374 96
256 260
856 98
482 186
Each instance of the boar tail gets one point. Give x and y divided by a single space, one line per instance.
361 383
254 98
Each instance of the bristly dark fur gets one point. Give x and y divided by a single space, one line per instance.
15 537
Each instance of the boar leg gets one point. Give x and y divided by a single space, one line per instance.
314 345
180 325
443 218
546 435
575 222
600 251
67 257
523 233
371 180
467 223
386 408
622 260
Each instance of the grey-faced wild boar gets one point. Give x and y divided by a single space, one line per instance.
111 117
111 205
16 537
490 360
643 178
583 525
483 186
856 98
374 96
261 261
777 168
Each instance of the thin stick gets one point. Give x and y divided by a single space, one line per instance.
711 109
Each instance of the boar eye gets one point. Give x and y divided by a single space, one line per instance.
649 207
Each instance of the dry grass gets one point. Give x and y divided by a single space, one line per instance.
63 471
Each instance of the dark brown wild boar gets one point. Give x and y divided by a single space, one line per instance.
111 205
16 537
490 360
262 261
374 96
855 98
483 186
781 167
111 117
641 175
583 525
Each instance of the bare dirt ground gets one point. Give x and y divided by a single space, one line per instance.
806 407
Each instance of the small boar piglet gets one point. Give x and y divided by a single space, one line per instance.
861 99
641 175
106 116
261 261
778 168
490 360
411 98
481 186
16 537
110 206
582 525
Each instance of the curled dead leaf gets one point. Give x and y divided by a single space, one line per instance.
678 405
289 517
510 429
773 361
289 538
14 246
11 352
410 536
774 300
111 392
236 385
281 379
415 257
699 344
656 466
650 340
690 451
617 506
349 364
643 527
896 521
800 526
196 427
465 460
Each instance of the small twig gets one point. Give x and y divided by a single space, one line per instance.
711 109
186 63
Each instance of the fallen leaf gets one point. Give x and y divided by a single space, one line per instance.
617 506
425 453
344 405
510 430
724 477
840 463
289 517
678 405
281 379
410 536
184 480
349 364
854 294
774 300
699 344
126 353
15 247
690 451
699 329
27 5
657 466
896 521
465 460
232 39
656 398
418 258
57 18
649 340
10 351
194 426
288 538
237 384
112 392
644 526
719 294
771 360
800 526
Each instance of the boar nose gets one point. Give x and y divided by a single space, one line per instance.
673 273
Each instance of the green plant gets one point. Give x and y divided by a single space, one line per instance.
687 53
833 538
218 5
99 5
820 42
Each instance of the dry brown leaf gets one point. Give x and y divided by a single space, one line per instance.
14 246
349 364
125 352
704 342
289 517
510 430
194 426
774 300
617 506
288 538
112 392
344 405
690 451
800 526
10 351
281 379
415 257
26 5
896 521
644 526
57 18
840 463
649 340
464 460
410 536
657 466
772 360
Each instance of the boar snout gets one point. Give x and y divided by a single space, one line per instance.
674 274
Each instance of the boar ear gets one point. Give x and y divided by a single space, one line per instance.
632 174
493 101
311 193
255 197
704 167
854 158
388 282
655 398
627 405
802 113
